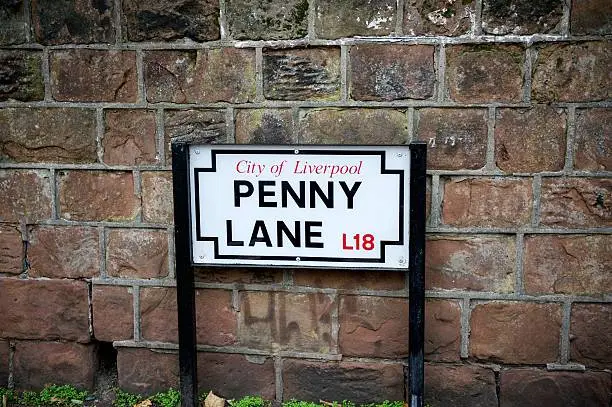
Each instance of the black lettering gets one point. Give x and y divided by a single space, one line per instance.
260 226
300 200
238 194
263 193
282 229
350 193
230 241
309 234
328 199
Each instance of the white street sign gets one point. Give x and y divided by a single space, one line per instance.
300 206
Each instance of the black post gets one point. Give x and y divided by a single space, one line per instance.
185 293
416 273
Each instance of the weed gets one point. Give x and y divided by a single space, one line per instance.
125 399
170 398
248 401
62 396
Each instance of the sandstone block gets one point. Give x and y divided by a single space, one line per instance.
521 17
438 17
147 371
350 18
267 20
112 310
391 72
591 17
4 363
21 75
459 386
157 201
24 195
593 141
264 126
12 23
350 280
137 253
591 334
63 252
129 137
238 275
11 250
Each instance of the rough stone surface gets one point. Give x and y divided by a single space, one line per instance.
576 202
21 75
129 137
378 327
591 334
198 126
297 322
337 381
73 21
112 310
134 253
4 363
302 74
63 252
236 376
264 126
65 135
347 18
163 20
204 76
24 195
572 72
438 17
485 73
456 138
349 279
37 364
353 126
11 250
27 313
89 75
147 371
496 202
592 140
542 129
215 318
521 17
267 20
474 263
157 202
391 72
12 22
238 275
515 332
568 264
459 386
536 388
97 195
591 17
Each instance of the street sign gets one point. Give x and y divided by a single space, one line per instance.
300 206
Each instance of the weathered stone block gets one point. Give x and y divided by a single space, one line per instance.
21 75
37 364
494 202
112 311
535 388
353 126
572 72
198 126
591 17
204 76
215 317
162 20
267 20
64 135
24 195
592 140
299 322
129 137
157 198
11 250
336 381
147 371
349 279
474 263
541 145
576 202
521 17
438 17
137 253
12 23
485 73
391 72
302 74
591 333
572 264
73 21
97 195
89 75
238 275
354 17
459 386
44 309
235 376
4 363
63 252
456 138
264 126
515 332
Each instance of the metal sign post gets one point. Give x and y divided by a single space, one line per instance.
298 206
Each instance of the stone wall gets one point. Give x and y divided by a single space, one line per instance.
512 97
